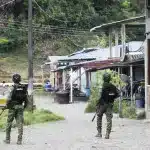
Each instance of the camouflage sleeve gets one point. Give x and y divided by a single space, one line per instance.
117 92
26 101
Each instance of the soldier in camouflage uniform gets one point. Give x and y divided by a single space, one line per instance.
105 105
16 98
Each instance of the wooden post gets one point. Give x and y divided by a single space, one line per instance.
147 60
87 79
123 38
64 80
120 98
116 42
71 87
80 79
110 42
54 80
57 79
30 56
42 72
131 83
90 77
50 72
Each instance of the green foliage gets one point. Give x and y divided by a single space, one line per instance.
127 110
115 79
4 41
91 107
126 4
125 104
39 116
95 93
69 20
12 38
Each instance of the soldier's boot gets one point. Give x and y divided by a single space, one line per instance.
19 141
98 135
107 136
7 141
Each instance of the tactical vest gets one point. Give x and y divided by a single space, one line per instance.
19 94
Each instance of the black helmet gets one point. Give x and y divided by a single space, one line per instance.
16 78
106 77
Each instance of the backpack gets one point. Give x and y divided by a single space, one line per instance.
19 93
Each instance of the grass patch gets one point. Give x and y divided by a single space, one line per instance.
39 116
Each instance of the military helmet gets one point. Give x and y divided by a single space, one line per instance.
16 78
106 77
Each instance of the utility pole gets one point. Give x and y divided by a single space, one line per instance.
30 56
110 42
123 39
147 59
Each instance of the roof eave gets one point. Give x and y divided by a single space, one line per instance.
117 22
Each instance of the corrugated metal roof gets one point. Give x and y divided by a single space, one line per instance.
134 56
104 53
54 59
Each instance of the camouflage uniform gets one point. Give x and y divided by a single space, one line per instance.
108 110
105 105
15 112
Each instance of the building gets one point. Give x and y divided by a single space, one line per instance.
93 59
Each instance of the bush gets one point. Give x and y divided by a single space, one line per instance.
127 110
39 116
125 104
95 94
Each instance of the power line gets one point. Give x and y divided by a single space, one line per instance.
7 3
50 29
44 26
51 33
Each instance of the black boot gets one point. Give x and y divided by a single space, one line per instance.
7 141
107 136
98 135
19 141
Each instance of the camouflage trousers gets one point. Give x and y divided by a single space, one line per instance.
108 110
17 114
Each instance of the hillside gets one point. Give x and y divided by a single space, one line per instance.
60 28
